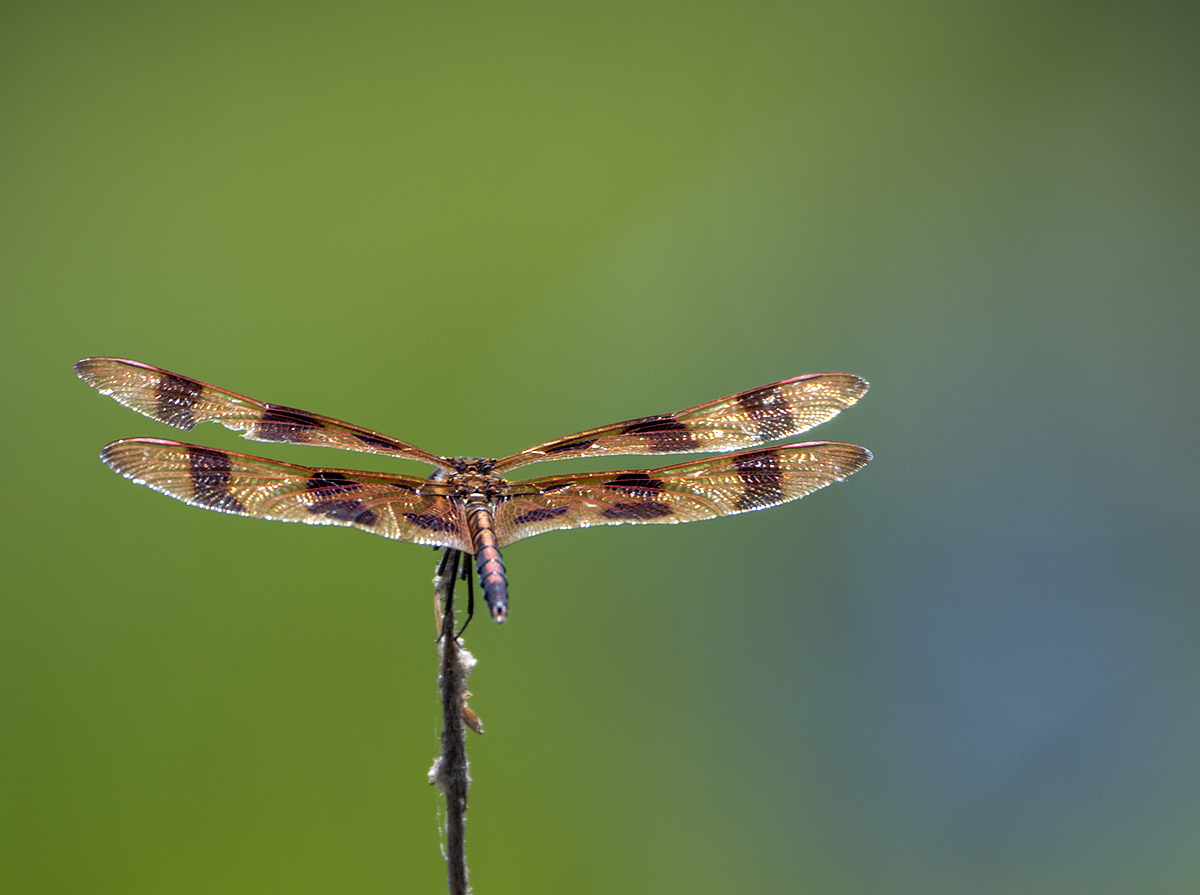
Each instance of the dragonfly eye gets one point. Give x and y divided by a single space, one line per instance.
472 465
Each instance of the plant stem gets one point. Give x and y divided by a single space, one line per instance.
450 771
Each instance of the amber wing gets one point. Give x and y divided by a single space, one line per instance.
404 508
701 489
779 410
183 402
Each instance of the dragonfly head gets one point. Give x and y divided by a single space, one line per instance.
472 465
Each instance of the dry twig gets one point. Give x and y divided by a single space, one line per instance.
450 770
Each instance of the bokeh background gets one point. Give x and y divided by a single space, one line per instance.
971 668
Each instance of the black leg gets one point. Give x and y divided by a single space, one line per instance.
441 569
467 573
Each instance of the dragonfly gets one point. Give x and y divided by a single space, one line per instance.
467 504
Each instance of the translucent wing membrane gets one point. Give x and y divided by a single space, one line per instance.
403 508
744 420
703 489
183 402
468 506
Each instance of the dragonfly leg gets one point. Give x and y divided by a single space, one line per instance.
467 574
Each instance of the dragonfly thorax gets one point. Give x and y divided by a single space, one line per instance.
471 478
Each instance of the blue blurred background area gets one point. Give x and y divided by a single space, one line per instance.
969 669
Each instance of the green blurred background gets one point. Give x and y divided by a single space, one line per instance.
971 668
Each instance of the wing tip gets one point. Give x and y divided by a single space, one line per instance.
850 458
120 456
98 371
85 369
117 456
846 458
860 458
855 386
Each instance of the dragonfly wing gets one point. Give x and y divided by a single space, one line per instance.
400 507
183 402
702 489
779 410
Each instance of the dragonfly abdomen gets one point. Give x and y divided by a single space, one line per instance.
488 561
